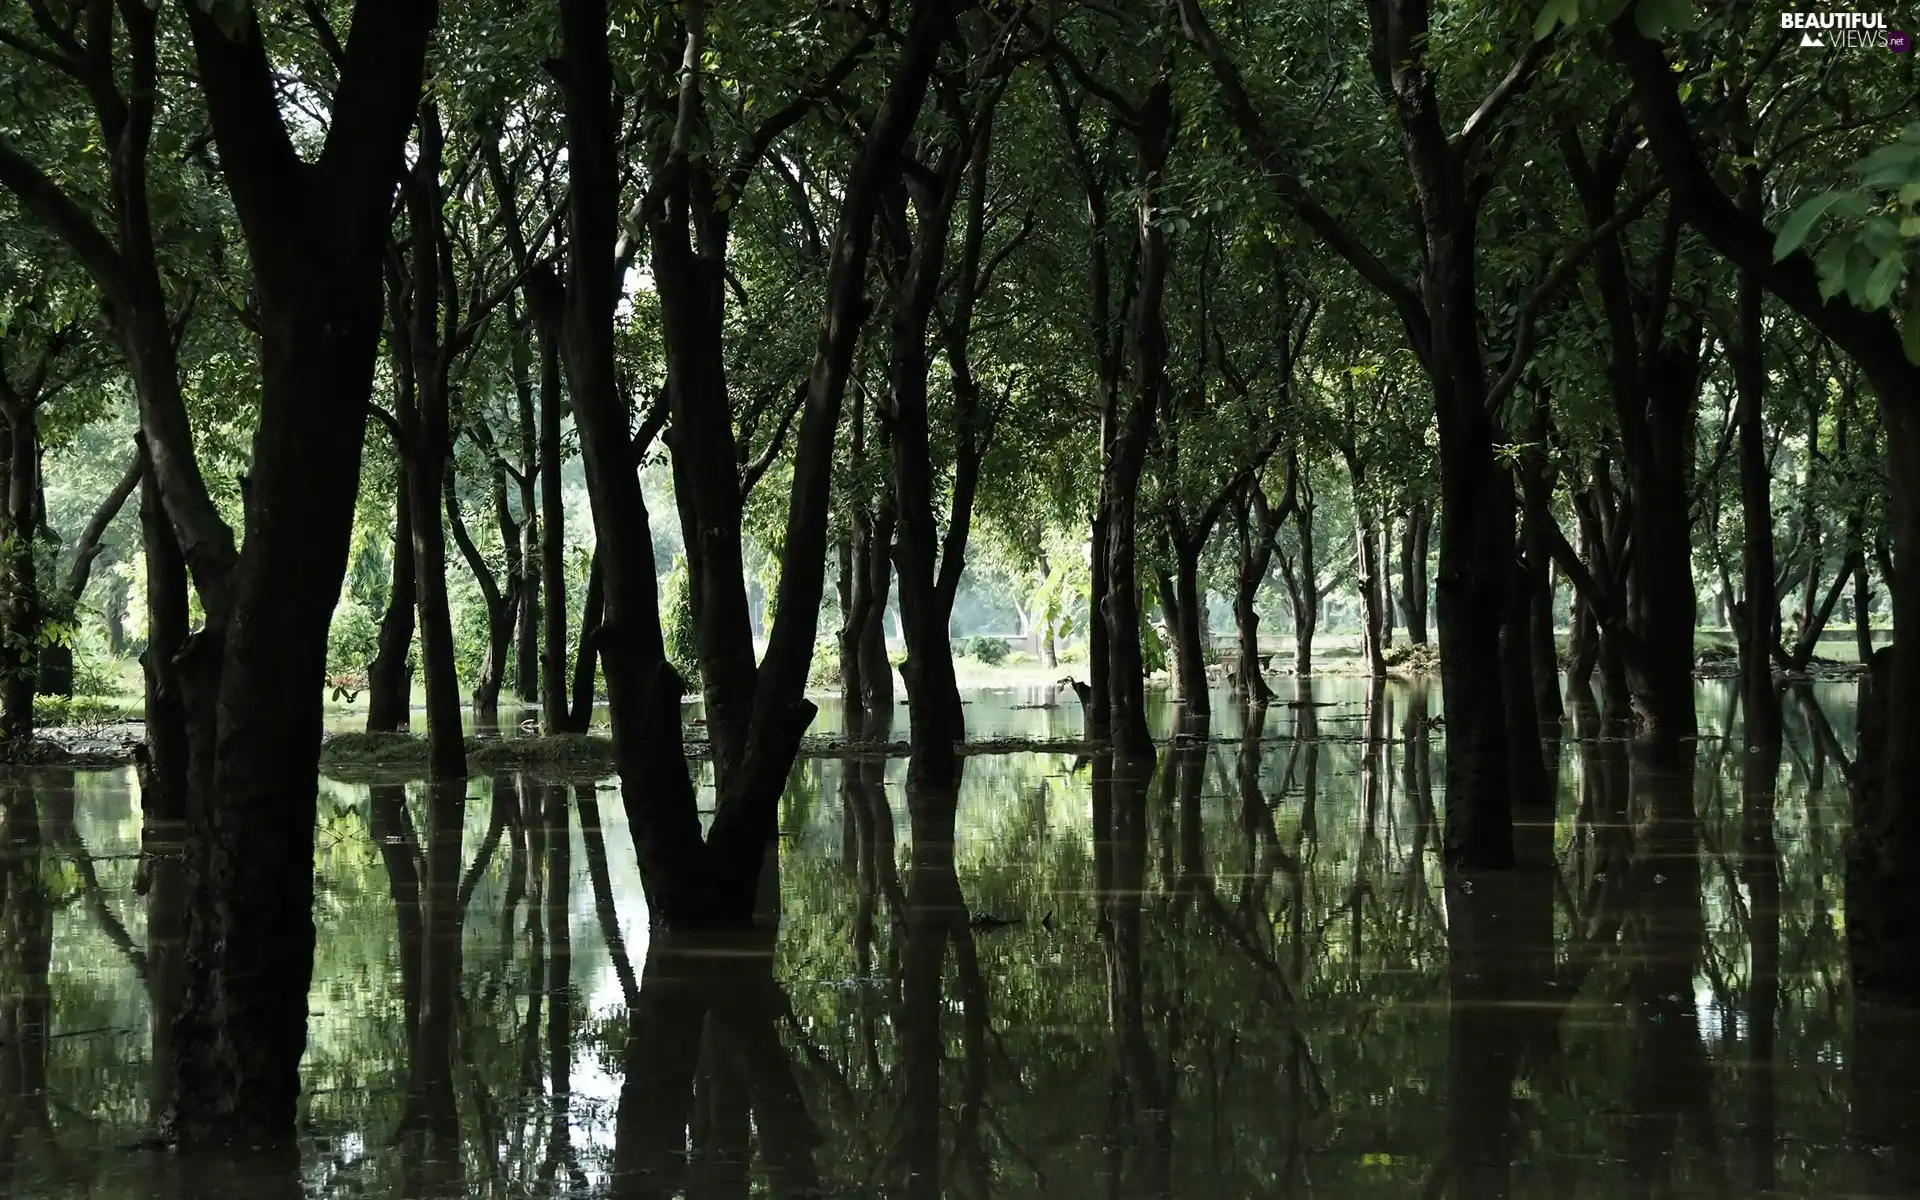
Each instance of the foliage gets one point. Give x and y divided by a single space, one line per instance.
991 651
676 624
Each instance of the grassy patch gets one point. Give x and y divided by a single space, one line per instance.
565 753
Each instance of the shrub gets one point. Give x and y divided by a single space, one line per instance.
990 650
1416 659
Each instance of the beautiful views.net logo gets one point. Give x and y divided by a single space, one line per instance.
1847 31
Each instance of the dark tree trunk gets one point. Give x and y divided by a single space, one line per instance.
390 675
1755 613
1383 559
253 676
1537 481
1256 526
1097 700
876 669
553 529
1185 609
499 607
586 658
424 418
21 613
1526 767
691 881
1661 605
523 556
1153 131
1303 585
917 234
1873 341
1413 572
855 600
1367 581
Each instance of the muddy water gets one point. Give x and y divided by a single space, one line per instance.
1244 975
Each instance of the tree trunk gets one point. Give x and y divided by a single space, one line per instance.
876 669
499 607
1526 768
553 538
1755 613
1862 607
1153 132
524 557
21 615
161 767
1368 584
1303 588
1184 615
425 420
855 602
390 675
1413 572
1098 699
1383 560
691 880
1661 606
586 658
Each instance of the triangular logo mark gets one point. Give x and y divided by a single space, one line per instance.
1807 39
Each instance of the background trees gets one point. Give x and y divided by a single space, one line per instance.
1095 319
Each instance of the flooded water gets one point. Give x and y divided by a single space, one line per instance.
1246 975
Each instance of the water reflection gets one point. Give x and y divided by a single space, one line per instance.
1236 970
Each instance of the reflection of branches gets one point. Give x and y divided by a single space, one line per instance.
109 922
610 931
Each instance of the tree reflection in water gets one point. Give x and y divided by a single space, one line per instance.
1235 969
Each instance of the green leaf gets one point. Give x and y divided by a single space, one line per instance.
1553 14
1832 266
1885 278
1801 223
1910 329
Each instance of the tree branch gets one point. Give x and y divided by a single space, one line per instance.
88 548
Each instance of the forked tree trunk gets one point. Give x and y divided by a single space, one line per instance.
693 880
500 609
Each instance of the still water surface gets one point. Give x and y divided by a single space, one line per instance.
1245 976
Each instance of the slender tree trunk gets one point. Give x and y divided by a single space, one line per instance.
1303 588
425 418
855 601
1372 619
390 675
1413 572
499 606
693 880
1383 558
1190 637
553 542
586 658
876 669
1756 612
524 557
